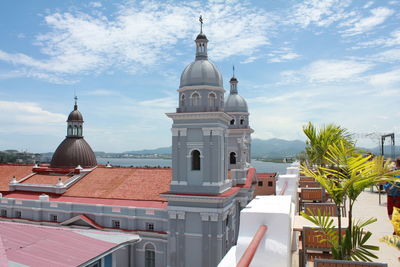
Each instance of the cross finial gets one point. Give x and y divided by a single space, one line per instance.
76 102
233 70
201 24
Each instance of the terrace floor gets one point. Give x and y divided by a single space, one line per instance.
367 206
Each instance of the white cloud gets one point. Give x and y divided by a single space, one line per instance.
368 4
140 35
95 4
391 55
319 12
385 79
29 117
282 55
378 16
393 40
323 71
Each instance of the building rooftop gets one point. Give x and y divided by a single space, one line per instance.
34 245
7 171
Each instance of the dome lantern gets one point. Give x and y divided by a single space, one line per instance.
74 150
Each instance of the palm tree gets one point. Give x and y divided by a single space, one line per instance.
319 141
348 173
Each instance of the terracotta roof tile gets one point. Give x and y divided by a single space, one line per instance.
123 183
8 171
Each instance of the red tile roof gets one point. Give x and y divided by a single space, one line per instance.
45 179
7 171
123 183
266 175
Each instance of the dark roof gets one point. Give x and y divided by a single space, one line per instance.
233 79
75 115
73 152
201 36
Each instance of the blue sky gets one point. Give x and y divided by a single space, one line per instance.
323 61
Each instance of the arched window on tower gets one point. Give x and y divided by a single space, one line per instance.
195 160
195 99
69 131
75 131
232 121
212 100
232 158
241 121
183 100
80 131
149 255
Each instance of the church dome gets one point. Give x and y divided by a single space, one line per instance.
75 115
201 72
73 152
235 103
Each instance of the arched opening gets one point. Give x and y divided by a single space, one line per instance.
183 100
195 99
149 255
232 158
232 121
80 131
75 131
69 131
241 121
195 160
212 100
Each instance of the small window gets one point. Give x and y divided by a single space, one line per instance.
232 158
3 213
227 220
270 183
212 99
260 183
232 121
182 100
115 224
196 99
69 132
80 131
18 214
195 160
241 121
150 226
75 131
53 217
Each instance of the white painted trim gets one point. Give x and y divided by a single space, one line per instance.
201 87
193 235
200 115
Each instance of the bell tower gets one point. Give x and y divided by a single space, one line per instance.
201 206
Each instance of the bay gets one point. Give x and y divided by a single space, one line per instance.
261 166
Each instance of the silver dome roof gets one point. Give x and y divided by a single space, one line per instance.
235 103
201 72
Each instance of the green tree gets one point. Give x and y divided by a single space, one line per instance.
319 140
344 173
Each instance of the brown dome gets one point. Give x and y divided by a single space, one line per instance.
75 115
73 152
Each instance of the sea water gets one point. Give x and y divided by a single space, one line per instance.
261 166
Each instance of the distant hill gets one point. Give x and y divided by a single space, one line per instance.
276 148
161 150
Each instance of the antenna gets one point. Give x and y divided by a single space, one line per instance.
233 70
